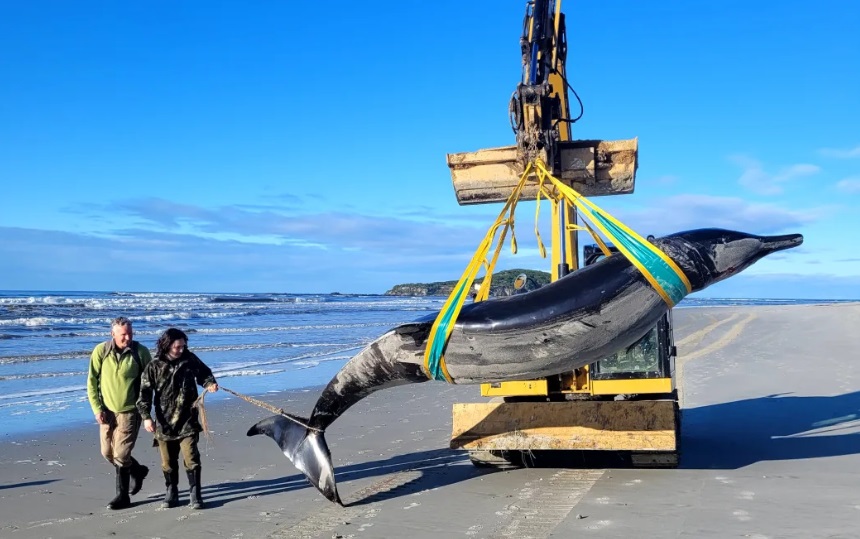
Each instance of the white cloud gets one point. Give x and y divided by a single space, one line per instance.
272 248
840 154
756 179
688 211
849 185
170 261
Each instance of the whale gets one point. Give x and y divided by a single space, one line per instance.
578 319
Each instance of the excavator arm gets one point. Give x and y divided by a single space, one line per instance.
539 111
540 116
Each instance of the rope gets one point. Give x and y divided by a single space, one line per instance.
278 411
204 423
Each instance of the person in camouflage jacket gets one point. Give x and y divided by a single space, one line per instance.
170 382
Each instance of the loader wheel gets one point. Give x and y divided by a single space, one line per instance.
654 459
500 460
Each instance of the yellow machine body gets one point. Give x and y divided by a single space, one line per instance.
585 425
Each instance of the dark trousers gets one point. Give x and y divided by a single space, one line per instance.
170 450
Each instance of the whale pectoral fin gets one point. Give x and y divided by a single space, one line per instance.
306 449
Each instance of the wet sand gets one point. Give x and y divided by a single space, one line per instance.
770 443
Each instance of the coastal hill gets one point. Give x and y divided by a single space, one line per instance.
503 284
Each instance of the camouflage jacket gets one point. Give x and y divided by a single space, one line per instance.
172 386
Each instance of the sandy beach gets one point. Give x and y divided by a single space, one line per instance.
770 442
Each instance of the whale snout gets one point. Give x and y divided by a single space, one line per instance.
771 244
722 253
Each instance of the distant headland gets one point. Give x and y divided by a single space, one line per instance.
503 284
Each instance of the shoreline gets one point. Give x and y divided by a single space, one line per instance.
213 402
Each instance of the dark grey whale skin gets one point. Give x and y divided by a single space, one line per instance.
572 322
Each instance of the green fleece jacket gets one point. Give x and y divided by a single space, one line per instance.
113 382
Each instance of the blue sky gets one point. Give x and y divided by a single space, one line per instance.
272 146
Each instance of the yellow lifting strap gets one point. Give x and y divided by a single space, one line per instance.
667 279
434 360
664 275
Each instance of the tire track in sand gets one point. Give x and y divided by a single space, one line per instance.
730 335
327 519
695 338
539 510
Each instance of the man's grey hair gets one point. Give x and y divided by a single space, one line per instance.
120 321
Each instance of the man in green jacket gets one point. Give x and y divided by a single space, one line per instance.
113 385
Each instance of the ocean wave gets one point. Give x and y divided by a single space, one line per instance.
103 334
38 393
302 365
38 404
300 299
101 302
87 318
267 299
38 321
248 372
296 360
240 299
315 363
223 331
37 375
296 328
85 354
260 346
335 358
30 358
41 300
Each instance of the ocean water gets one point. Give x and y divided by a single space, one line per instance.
254 343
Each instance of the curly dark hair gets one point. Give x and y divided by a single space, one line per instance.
167 338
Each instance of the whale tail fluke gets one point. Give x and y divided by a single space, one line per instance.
306 449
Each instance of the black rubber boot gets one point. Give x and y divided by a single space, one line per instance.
138 474
122 500
196 502
171 497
